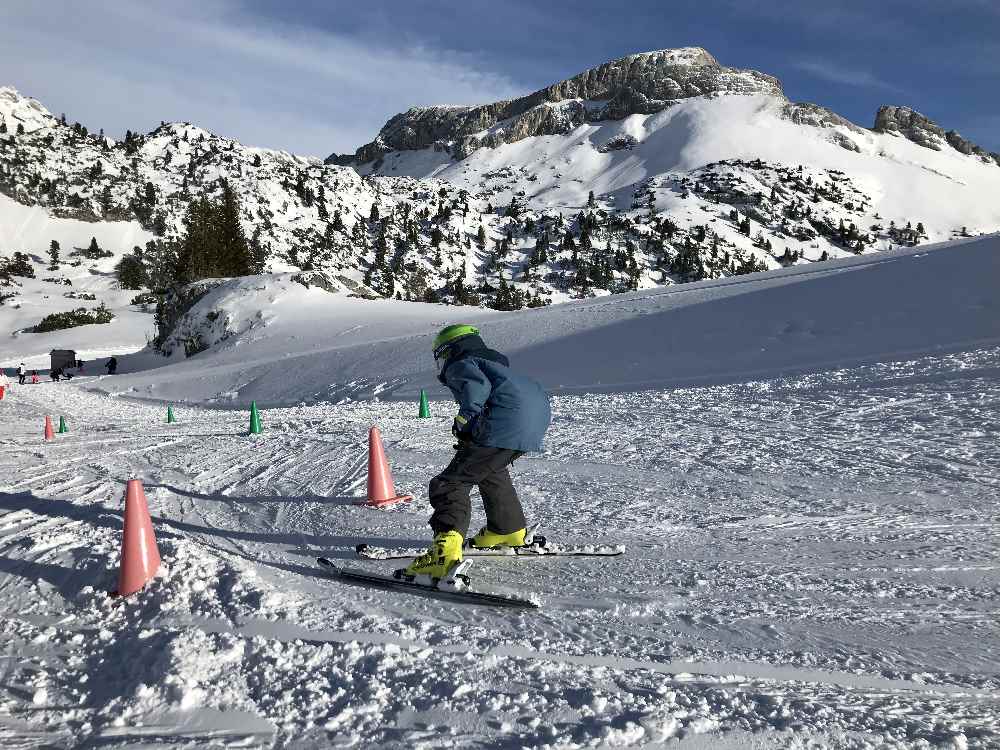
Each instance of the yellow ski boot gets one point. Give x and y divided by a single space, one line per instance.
486 538
444 554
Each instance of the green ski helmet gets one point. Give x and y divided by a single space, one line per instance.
450 335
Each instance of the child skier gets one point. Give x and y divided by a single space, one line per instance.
501 416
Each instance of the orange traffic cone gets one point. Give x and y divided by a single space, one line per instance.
381 490
140 556
49 434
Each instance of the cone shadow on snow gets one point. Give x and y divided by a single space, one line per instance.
249 499
86 569
103 517
327 542
67 581
331 545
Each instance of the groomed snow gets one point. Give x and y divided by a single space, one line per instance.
812 551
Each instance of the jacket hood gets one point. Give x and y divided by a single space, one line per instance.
472 346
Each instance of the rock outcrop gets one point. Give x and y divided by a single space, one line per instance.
638 84
923 131
803 113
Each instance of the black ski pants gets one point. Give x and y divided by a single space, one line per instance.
483 466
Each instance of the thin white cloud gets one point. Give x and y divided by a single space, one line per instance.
118 66
835 73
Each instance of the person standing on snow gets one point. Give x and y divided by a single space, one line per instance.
501 416
21 374
112 365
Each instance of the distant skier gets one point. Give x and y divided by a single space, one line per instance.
112 365
21 374
501 416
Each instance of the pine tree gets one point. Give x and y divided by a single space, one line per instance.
94 251
258 252
131 271
54 255
590 199
214 244
321 204
235 254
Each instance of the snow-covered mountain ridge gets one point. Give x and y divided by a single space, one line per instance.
644 83
659 168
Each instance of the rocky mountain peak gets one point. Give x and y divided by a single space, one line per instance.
641 83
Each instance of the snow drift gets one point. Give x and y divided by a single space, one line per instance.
291 345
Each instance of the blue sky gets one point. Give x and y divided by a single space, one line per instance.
315 77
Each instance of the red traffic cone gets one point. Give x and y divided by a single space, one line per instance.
381 490
49 434
140 556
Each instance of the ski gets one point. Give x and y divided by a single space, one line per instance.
537 547
454 587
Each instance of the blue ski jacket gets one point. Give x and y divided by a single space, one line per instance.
504 410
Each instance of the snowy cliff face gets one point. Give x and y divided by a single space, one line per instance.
18 110
637 84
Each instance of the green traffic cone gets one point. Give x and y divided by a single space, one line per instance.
425 408
255 427
170 415
62 425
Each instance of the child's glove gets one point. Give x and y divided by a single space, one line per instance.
461 428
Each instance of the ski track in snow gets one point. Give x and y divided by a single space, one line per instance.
815 558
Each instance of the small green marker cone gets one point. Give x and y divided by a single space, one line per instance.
62 425
170 415
425 408
255 427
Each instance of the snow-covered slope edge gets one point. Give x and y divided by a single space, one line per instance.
319 347
77 282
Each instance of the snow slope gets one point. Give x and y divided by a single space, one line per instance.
289 346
